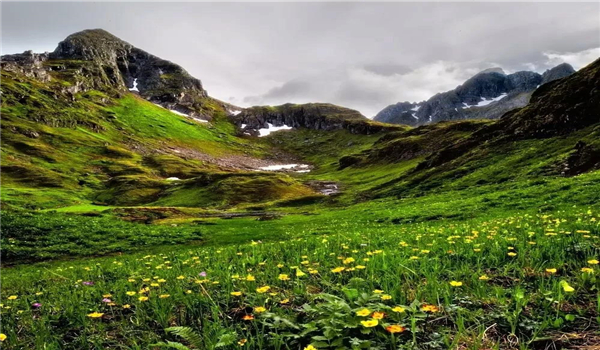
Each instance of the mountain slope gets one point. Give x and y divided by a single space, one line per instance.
72 127
487 95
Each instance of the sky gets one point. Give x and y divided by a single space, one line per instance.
359 55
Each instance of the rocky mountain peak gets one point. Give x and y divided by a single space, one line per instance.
92 44
486 95
493 70
558 72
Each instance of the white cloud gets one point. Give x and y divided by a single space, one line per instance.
577 59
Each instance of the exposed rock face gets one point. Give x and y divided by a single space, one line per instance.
558 72
488 95
317 116
122 64
96 59
400 113
584 158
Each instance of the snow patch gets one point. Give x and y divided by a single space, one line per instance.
179 113
279 167
415 108
173 179
134 88
272 128
199 120
234 112
485 102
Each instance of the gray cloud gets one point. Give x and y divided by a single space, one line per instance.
364 56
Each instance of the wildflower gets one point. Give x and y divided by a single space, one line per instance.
95 314
241 342
360 267
348 261
363 312
456 283
236 294
386 297
130 293
377 291
310 347
285 301
299 273
593 262
131 280
248 318
512 254
430 308
143 298
551 271
338 269
250 278
12 297
378 315
394 328
280 265
566 287
107 295
36 305
88 283
414 258
126 306
484 277
3 337
369 323
587 270
180 277
263 289
164 296
106 300
259 309
283 277
398 309
202 274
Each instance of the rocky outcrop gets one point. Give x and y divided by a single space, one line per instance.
487 95
316 116
27 63
583 158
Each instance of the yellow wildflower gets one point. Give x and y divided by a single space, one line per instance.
363 312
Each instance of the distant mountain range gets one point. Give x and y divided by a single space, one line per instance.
487 95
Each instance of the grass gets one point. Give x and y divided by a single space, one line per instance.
319 285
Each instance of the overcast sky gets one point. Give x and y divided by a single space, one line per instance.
364 56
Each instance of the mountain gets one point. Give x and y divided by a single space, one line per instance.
487 95
316 116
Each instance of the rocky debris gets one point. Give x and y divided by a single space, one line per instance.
584 158
326 188
316 116
27 63
487 95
